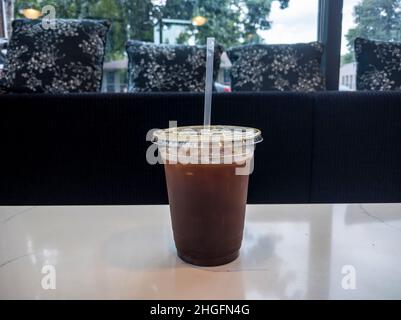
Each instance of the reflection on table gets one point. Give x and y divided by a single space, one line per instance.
127 252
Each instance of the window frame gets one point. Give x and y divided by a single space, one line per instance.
3 22
329 33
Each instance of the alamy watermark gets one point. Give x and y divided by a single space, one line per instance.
348 281
202 145
48 281
49 17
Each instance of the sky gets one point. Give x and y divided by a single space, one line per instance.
298 23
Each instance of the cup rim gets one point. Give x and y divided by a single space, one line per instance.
185 134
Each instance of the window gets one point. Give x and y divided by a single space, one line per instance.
231 22
226 79
375 20
347 54
2 20
110 81
297 23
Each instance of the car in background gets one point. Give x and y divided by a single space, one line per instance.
221 87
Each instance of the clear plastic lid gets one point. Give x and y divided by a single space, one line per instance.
201 135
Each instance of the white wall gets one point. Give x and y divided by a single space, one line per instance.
348 76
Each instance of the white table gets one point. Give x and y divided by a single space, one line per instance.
127 252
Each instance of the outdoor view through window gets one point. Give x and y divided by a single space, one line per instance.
231 22
370 19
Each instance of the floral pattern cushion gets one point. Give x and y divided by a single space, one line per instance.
378 65
66 58
282 67
154 67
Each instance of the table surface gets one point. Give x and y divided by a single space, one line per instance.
127 252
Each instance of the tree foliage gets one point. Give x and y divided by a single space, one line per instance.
231 22
347 58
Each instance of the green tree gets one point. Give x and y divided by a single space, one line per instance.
231 22
131 19
375 19
347 58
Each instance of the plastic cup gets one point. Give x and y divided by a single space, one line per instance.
207 172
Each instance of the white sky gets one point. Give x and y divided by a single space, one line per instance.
348 21
298 23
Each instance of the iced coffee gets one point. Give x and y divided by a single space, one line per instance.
207 173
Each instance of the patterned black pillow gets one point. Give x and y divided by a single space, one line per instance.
66 58
166 67
2 86
283 67
378 65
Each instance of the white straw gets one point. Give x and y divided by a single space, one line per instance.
208 81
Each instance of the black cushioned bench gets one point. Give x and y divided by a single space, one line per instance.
90 149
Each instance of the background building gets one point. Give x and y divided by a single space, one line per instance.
348 76
115 76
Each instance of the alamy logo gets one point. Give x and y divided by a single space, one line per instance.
203 145
348 281
49 279
49 17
